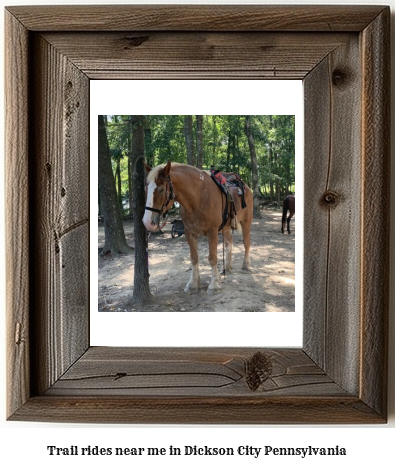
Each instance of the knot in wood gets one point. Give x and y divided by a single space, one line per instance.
135 41
330 199
340 77
259 369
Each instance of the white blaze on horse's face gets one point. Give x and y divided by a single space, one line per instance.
151 219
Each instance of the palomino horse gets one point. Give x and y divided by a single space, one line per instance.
288 205
202 207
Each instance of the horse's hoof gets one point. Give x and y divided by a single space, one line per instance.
246 268
213 290
191 290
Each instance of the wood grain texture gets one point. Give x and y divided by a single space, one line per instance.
333 159
196 17
317 112
17 213
339 376
124 385
198 410
375 211
196 55
188 372
60 197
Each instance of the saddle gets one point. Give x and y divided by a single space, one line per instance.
233 188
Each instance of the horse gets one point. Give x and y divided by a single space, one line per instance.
288 205
202 206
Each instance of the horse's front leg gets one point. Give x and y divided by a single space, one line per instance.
193 284
215 284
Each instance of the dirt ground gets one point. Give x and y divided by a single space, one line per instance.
269 287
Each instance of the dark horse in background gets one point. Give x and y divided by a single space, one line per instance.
288 206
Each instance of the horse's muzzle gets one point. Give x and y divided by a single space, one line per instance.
151 226
151 221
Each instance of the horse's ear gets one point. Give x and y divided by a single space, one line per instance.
147 167
166 169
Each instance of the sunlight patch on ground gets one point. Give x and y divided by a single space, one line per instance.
281 279
269 286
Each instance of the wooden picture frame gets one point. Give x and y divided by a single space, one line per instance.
340 373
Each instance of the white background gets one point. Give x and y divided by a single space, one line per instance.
24 444
282 329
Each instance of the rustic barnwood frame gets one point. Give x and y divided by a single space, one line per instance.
340 373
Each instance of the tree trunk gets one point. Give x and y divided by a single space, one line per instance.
254 167
100 210
149 151
199 141
115 241
141 289
130 186
228 151
188 130
271 162
215 138
119 184
130 176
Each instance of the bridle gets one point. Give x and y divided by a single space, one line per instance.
169 197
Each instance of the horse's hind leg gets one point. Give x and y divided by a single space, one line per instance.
246 226
289 221
284 219
228 251
194 281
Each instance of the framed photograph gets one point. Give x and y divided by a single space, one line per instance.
264 295
339 375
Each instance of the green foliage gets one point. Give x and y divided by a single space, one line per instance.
224 145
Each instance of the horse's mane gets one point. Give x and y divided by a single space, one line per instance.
153 174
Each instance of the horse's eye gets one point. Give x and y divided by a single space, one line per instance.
161 190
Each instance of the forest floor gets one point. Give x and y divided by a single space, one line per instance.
269 287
